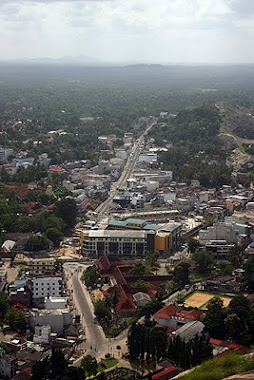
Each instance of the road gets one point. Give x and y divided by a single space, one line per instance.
96 343
126 174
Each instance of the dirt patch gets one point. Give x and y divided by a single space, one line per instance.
200 299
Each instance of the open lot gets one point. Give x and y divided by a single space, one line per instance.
200 299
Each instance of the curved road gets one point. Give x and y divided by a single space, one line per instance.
96 344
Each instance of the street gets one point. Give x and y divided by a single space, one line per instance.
126 173
96 343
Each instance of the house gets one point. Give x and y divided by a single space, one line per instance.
189 330
7 246
222 347
174 317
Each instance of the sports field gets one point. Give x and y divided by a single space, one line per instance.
200 299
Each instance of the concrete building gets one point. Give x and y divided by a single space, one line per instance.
219 248
54 303
5 153
148 158
48 286
219 231
115 242
58 319
42 334
42 266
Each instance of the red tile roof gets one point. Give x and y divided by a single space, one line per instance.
56 169
167 312
164 373
231 345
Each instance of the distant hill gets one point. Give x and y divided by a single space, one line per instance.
66 60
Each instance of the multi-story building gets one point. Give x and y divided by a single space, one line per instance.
116 242
48 286
5 153
143 237
58 319
42 266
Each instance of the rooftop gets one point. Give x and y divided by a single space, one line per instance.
116 234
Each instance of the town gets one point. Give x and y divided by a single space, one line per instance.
115 267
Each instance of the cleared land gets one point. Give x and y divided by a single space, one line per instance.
200 299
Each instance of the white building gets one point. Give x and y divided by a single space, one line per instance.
149 158
54 303
219 231
57 319
49 286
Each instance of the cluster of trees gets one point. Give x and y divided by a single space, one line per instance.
187 354
51 225
91 276
235 322
56 367
147 342
13 318
194 134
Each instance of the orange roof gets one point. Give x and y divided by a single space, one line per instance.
167 312
231 345
55 169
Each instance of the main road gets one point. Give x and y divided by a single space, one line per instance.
96 343
126 173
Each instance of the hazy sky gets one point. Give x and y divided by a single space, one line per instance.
187 31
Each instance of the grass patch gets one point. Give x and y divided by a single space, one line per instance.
218 368
109 363
113 329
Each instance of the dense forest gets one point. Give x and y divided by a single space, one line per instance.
195 146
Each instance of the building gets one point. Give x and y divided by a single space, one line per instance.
5 153
174 317
219 248
41 266
54 303
58 319
148 158
8 365
115 242
48 286
219 231
166 237
42 334
188 331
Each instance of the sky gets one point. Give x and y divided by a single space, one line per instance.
118 31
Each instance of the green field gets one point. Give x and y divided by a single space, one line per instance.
220 367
